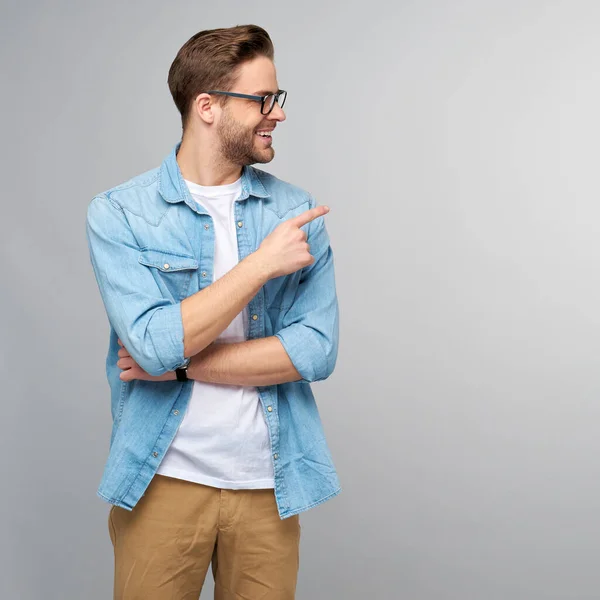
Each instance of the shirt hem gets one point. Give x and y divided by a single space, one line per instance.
290 513
218 483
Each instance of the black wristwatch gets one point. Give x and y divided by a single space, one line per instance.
181 372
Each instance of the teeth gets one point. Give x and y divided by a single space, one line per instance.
264 134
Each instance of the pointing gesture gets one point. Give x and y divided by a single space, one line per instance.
285 250
308 215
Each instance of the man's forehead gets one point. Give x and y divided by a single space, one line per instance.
258 76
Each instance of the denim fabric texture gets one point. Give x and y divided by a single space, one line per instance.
151 245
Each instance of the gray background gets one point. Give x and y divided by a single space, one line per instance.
456 143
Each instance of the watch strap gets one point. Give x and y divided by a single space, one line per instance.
181 372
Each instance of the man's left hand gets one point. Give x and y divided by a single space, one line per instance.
131 370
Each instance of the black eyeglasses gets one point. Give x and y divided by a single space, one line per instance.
267 101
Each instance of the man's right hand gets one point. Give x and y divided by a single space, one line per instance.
285 250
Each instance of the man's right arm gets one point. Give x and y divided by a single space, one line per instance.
207 313
158 333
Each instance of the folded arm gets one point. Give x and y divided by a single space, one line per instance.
160 333
304 349
257 362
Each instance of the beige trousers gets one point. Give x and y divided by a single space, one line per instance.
164 546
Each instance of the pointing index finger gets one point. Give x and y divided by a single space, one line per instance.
309 215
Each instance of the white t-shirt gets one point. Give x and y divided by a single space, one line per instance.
223 440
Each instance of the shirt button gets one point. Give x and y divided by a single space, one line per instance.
203 273
207 226
254 317
275 456
175 412
155 454
240 223
270 408
166 265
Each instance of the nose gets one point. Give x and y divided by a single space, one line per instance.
277 113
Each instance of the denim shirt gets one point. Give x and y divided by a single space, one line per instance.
151 245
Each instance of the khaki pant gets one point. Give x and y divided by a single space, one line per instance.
164 546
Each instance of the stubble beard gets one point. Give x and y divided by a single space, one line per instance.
238 143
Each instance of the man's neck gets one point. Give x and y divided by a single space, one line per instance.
199 165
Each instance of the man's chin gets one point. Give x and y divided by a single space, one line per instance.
261 158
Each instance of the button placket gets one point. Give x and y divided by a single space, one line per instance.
206 258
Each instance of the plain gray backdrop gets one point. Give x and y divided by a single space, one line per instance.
457 146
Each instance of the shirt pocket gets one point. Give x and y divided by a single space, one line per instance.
172 272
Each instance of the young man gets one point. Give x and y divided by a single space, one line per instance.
218 283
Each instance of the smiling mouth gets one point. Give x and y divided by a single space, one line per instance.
266 136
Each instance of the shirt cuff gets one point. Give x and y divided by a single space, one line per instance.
305 351
166 333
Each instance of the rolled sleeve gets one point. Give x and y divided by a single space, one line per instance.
310 332
149 325
305 351
167 337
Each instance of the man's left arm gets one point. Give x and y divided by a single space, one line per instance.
304 349
257 362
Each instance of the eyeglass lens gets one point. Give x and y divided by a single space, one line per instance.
269 102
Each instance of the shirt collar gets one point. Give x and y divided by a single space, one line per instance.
172 187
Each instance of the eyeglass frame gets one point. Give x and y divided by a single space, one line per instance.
261 99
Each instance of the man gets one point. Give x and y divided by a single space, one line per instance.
218 283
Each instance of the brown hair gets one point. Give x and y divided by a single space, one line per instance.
209 61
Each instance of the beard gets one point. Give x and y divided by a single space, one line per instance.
238 143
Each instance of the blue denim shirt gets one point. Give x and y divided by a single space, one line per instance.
151 245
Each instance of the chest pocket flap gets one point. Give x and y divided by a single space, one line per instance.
173 273
166 261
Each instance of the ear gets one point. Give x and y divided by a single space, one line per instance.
204 107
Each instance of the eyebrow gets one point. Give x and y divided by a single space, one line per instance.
265 92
